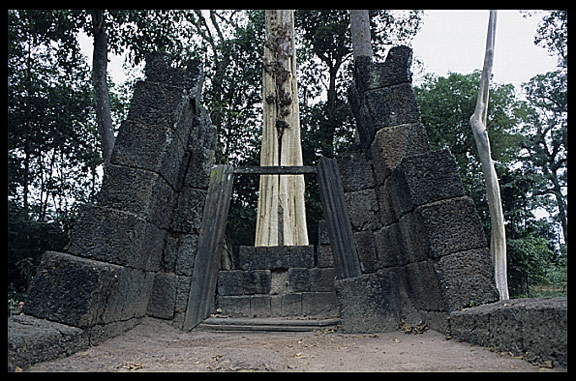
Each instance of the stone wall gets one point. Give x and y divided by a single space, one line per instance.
419 237
280 281
132 254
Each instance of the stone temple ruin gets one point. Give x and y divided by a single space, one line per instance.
417 253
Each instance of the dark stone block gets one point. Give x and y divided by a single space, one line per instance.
355 171
385 208
32 340
536 328
394 71
257 282
466 278
260 306
200 162
138 191
362 209
256 258
367 254
81 292
163 296
391 145
162 106
369 303
424 287
297 256
121 238
325 258
412 238
322 280
425 178
235 306
187 216
392 106
230 282
450 226
319 304
151 147
388 245
299 279
292 305
159 70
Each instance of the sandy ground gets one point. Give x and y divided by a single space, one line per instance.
155 346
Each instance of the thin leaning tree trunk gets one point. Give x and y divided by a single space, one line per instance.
281 218
478 122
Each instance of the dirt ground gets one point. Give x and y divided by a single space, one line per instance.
155 346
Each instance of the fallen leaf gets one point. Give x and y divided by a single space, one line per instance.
298 356
130 366
547 364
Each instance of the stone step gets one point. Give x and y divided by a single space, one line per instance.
267 325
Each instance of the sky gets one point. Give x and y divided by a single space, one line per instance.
456 41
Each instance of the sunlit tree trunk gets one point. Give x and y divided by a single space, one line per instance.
478 123
360 30
100 80
281 218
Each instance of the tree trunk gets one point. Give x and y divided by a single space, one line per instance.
100 81
360 30
478 123
281 218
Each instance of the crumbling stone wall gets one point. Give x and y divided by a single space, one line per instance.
132 254
278 281
419 238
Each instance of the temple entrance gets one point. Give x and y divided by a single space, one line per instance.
271 281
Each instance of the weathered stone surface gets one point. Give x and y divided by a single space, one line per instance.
391 145
369 303
388 245
299 279
424 178
82 292
392 106
319 304
322 280
163 296
356 171
231 282
121 238
138 191
32 340
466 278
362 209
151 147
450 226
187 217
257 282
535 327
367 254
394 71
425 288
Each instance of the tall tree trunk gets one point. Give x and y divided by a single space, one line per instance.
100 81
478 123
360 30
281 218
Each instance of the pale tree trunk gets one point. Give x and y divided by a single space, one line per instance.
478 124
100 81
281 218
360 30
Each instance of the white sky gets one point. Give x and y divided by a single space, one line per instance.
455 41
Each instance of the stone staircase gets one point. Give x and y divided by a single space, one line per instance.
221 324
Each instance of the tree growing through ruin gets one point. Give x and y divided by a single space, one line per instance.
478 122
281 218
